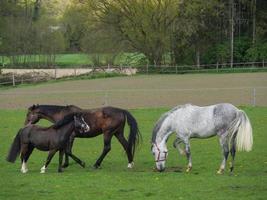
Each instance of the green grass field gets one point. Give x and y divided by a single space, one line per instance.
115 181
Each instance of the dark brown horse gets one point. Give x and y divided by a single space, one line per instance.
108 121
54 138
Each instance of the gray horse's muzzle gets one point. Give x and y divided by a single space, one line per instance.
160 167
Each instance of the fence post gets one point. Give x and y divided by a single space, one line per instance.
254 97
75 73
55 73
106 99
147 68
13 80
263 63
176 69
217 66
131 70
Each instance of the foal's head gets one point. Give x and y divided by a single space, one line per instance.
80 124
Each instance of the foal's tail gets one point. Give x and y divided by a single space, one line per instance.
242 129
15 148
134 135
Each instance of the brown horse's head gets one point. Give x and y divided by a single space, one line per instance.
33 115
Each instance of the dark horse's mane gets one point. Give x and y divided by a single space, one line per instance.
67 119
50 109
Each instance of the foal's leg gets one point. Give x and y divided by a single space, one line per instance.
225 152
25 158
29 152
119 135
60 159
69 150
23 155
49 158
76 159
107 148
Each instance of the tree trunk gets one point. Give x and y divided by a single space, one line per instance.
198 57
254 21
231 15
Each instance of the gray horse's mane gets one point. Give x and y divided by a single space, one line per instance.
162 119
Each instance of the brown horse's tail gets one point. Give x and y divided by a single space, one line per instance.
15 148
134 135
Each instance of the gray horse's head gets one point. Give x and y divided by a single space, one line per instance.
160 153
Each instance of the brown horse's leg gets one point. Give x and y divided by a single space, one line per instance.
49 158
107 148
119 135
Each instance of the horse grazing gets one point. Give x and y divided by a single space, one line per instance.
54 138
230 124
108 121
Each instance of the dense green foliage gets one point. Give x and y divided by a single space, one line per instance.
176 32
115 181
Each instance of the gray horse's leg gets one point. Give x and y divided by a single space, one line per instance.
225 151
188 155
177 144
232 151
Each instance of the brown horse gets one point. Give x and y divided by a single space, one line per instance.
54 138
108 121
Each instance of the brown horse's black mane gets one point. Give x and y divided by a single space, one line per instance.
51 109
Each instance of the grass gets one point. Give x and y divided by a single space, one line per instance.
73 59
115 181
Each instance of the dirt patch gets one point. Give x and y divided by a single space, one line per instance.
144 91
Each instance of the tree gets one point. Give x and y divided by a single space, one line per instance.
145 25
195 27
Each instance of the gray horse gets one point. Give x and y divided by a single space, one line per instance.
230 124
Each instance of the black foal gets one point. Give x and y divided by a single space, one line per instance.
54 138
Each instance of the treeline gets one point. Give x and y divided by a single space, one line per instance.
174 32
30 32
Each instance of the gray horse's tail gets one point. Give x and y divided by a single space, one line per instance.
241 131
14 149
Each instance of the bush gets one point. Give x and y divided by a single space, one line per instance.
257 53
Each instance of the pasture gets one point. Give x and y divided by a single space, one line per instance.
114 180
